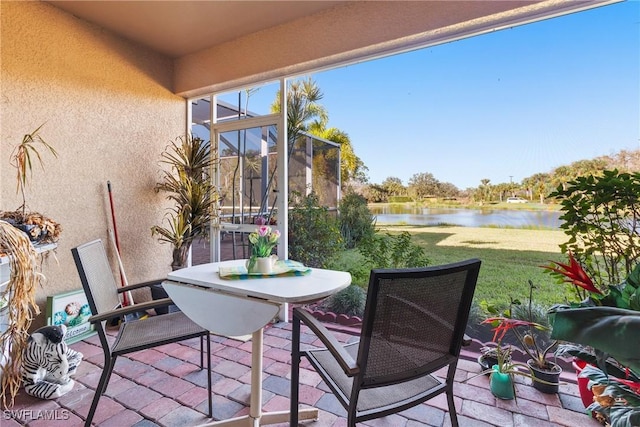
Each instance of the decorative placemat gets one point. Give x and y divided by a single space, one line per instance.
280 269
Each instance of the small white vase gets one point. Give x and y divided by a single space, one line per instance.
264 265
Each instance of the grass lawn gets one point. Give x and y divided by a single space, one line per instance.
510 257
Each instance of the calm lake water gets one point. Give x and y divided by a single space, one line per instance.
402 214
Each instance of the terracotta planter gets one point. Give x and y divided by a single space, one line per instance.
583 383
549 375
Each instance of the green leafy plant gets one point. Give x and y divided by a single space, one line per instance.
188 185
356 221
505 363
616 401
353 262
350 301
393 251
604 328
527 325
601 214
314 235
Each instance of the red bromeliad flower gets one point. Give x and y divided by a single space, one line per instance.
575 274
635 386
504 324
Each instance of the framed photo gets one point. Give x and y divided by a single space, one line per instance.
72 310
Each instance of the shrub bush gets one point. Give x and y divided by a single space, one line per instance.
355 263
314 235
356 221
350 301
600 216
393 251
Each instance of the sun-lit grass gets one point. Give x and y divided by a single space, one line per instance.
510 257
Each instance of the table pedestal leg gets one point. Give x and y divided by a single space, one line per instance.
255 404
256 417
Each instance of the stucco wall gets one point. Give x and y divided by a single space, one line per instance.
109 111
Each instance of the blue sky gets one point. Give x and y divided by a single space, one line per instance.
500 106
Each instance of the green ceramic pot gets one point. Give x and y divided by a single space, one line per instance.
501 384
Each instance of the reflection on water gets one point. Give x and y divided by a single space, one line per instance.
402 214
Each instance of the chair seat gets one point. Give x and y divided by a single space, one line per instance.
377 397
140 334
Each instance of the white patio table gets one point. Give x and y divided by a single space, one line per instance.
245 306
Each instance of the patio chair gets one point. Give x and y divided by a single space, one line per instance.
413 325
134 335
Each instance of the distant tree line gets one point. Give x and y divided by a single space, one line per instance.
536 187
306 114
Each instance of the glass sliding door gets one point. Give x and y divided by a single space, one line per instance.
248 181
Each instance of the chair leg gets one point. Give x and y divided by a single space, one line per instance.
202 351
101 388
452 409
209 375
451 373
295 372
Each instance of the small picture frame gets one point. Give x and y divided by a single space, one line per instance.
72 310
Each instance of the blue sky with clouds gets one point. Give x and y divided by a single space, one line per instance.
500 106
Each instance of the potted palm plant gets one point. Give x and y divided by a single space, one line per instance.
187 183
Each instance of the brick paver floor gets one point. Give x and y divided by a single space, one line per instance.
165 387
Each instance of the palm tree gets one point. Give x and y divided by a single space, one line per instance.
302 108
485 190
351 166
187 184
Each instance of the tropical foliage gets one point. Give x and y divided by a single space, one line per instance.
601 216
356 221
314 234
604 328
531 333
187 184
386 250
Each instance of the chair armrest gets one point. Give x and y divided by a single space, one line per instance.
139 285
343 358
118 312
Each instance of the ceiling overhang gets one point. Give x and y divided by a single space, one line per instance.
223 45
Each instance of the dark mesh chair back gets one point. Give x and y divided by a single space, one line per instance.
413 325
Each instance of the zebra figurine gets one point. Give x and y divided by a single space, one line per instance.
48 362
